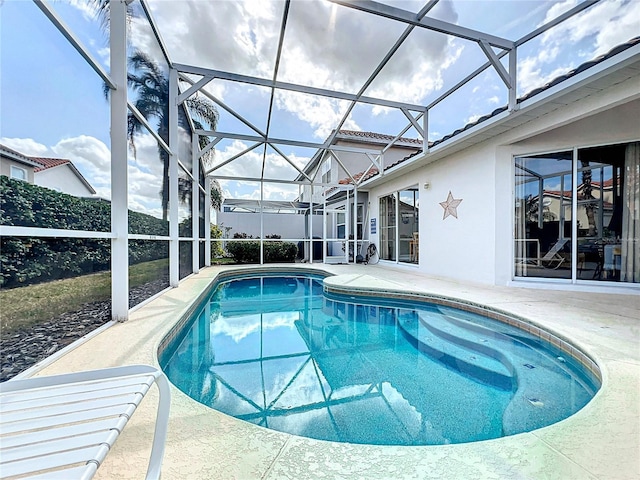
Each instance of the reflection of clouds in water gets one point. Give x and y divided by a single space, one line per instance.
241 326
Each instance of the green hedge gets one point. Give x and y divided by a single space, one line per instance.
27 260
274 252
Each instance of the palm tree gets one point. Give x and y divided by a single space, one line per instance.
151 86
590 207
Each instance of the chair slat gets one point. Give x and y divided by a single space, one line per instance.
71 458
74 407
77 442
16 440
70 397
70 418
9 395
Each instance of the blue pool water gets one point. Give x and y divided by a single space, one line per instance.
278 352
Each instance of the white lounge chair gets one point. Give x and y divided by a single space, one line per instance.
62 426
553 259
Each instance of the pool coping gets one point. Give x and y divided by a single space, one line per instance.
244 450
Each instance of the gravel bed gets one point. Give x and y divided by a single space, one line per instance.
25 347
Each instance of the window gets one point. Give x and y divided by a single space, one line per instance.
341 218
18 173
399 239
326 171
599 216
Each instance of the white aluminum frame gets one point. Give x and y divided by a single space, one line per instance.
417 118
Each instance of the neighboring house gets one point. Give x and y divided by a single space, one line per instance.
356 157
16 165
61 175
55 173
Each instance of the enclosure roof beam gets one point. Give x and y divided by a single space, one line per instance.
495 61
231 159
219 102
323 92
74 41
156 32
260 139
559 19
140 117
193 89
411 18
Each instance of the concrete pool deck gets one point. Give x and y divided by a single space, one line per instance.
601 441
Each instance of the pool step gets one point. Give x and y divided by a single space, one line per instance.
449 345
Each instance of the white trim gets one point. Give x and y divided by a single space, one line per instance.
18 231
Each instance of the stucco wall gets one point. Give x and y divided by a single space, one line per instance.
478 245
62 179
453 247
285 225
5 168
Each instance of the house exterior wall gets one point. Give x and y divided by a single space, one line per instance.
7 163
478 245
285 225
62 179
457 248
355 163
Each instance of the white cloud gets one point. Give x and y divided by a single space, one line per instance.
93 159
472 118
249 165
591 33
26 146
242 37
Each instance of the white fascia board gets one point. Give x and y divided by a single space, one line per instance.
81 177
17 157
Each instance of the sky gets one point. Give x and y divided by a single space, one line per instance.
52 102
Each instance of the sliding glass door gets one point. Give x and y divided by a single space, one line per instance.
399 234
599 184
388 227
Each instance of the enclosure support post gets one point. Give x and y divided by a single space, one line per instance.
174 244
119 188
195 204
355 224
207 221
425 129
261 223
513 73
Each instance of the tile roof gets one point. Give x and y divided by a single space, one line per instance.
378 136
48 163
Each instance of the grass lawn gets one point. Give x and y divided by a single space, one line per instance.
223 261
25 306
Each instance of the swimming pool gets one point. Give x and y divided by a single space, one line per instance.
280 352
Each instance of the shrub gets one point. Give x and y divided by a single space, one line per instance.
27 260
216 245
274 252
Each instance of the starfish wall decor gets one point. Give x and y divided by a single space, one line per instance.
450 206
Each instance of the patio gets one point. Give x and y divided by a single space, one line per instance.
600 441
